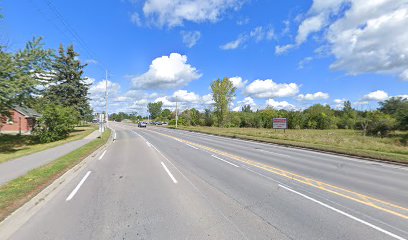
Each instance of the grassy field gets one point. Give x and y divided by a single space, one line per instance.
349 142
17 192
15 146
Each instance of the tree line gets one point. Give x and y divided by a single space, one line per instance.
392 114
49 81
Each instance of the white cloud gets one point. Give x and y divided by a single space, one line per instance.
167 72
91 61
234 44
282 49
238 82
184 96
304 61
246 101
269 89
339 101
207 99
313 96
190 38
96 93
363 36
135 19
378 95
279 105
259 34
173 13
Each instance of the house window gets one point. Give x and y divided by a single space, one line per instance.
10 121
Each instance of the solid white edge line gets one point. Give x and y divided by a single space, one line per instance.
103 154
78 186
224 160
168 172
344 213
191 146
149 144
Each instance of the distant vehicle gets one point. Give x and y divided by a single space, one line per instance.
165 124
142 124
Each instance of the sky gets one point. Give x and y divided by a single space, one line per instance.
283 54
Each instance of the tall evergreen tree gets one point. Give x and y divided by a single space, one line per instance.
68 86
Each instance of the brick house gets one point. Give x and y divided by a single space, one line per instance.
22 121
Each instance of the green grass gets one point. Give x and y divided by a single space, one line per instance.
348 142
15 146
18 191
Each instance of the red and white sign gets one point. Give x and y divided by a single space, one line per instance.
280 123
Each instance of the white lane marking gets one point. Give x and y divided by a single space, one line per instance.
114 138
103 154
224 160
344 213
191 146
168 172
149 144
78 186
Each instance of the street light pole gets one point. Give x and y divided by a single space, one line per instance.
106 98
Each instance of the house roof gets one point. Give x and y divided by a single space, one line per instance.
26 111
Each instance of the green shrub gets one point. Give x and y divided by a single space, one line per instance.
56 123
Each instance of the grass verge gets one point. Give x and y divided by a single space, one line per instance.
20 190
349 142
15 146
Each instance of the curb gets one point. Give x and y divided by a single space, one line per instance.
20 216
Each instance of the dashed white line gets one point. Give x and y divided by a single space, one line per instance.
191 146
103 154
344 213
224 161
168 172
78 186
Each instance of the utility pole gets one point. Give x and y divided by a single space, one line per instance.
106 97
176 112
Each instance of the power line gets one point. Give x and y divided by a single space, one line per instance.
74 34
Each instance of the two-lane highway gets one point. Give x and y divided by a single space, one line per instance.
158 183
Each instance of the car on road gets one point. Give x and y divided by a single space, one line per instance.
142 124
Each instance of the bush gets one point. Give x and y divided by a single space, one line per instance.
380 123
56 123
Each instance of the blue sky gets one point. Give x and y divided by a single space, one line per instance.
283 54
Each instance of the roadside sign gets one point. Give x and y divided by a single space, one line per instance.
280 123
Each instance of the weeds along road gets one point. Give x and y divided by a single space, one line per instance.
158 183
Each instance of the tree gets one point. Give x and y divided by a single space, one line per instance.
22 74
155 109
56 123
380 123
166 114
246 108
223 92
208 117
397 107
68 87
319 117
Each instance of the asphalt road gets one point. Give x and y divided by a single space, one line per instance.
159 183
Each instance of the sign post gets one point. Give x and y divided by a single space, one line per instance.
280 123
101 125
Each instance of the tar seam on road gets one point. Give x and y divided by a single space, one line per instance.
103 154
344 213
78 186
168 172
224 160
